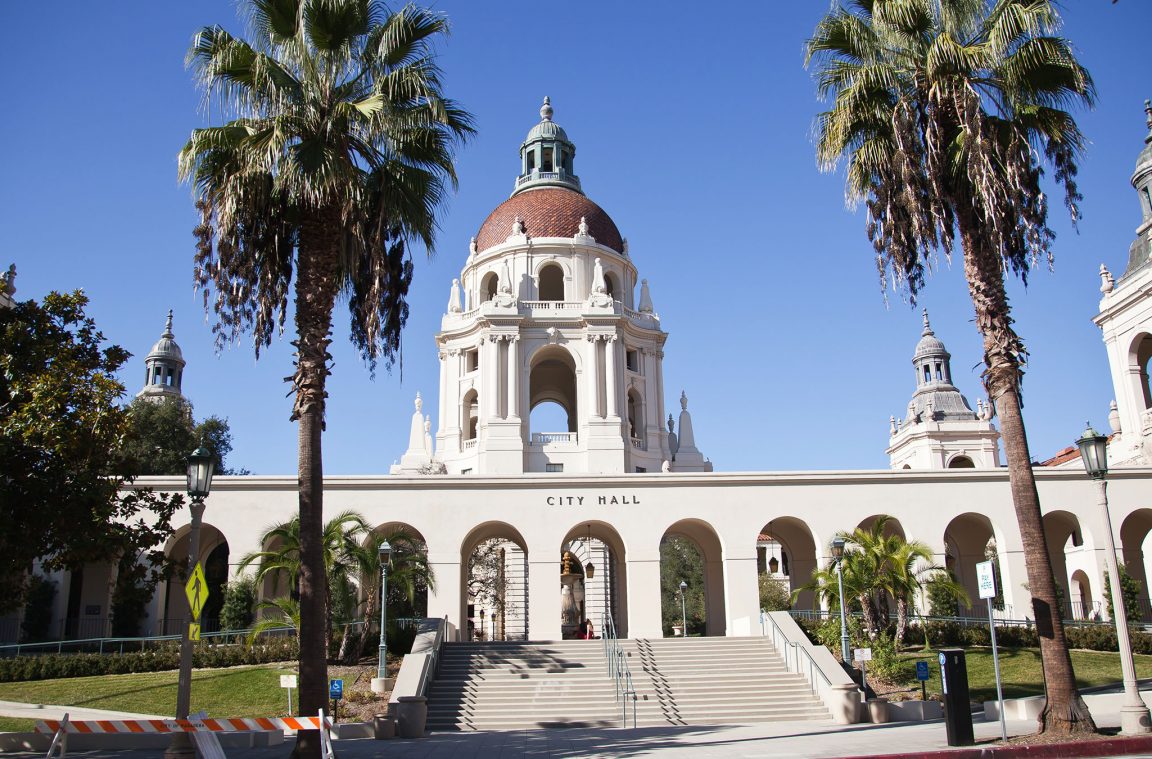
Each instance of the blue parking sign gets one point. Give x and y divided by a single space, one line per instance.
921 670
335 689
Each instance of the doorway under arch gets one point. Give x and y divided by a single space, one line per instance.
494 574
789 541
599 550
690 552
551 286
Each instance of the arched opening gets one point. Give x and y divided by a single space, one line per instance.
892 526
969 539
489 285
1063 534
1083 605
410 577
494 568
961 462
636 427
470 415
552 381
551 282
1141 357
785 561
1135 545
690 553
213 559
611 285
591 568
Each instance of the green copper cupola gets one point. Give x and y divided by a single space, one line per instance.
546 156
1141 251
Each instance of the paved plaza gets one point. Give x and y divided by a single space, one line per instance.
780 740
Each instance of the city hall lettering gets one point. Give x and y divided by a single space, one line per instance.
601 500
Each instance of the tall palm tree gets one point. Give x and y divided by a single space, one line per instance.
947 112
338 155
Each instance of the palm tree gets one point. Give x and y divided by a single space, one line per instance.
945 111
281 562
286 614
409 574
338 154
912 569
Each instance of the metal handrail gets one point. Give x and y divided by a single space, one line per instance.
118 644
797 646
618 668
820 614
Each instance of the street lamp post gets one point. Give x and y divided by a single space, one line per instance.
385 551
838 555
683 608
1134 716
201 467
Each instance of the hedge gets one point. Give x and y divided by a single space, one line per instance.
167 657
941 633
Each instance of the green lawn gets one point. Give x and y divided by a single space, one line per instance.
233 692
1020 671
17 725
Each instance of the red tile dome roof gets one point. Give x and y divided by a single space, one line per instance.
549 212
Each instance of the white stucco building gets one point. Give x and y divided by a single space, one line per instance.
550 311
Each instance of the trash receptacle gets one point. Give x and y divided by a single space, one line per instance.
411 715
957 707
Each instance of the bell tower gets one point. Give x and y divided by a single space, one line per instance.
164 367
941 431
551 352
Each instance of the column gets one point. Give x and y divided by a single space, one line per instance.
544 597
611 386
513 377
592 386
490 377
441 423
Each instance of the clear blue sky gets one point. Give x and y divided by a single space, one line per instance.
693 130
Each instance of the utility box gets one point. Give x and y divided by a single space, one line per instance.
957 706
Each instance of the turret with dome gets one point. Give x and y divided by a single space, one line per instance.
547 361
164 367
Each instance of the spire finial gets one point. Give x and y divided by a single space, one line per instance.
168 326
546 109
927 327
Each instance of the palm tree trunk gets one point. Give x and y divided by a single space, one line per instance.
1065 711
901 621
315 295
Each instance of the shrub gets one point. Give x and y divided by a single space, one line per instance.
166 657
239 606
38 609
774 594
886 662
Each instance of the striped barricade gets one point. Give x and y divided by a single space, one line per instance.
232 725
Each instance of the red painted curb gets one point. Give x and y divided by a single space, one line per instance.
1111 747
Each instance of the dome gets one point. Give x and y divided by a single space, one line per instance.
929 344
547 130
549 212
166 348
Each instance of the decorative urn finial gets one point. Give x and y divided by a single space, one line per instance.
546 109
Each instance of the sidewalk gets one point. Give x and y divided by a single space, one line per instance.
780 740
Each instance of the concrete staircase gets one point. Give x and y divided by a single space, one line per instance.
694 681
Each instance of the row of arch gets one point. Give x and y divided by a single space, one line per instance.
789 552
550 284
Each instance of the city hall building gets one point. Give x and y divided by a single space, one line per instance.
550 308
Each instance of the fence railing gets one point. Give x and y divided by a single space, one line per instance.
106 645
801 658
618 669
966 621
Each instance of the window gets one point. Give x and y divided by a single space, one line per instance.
553 467
551 283
472 360
466 471
531 161
546 164
641 469
632 360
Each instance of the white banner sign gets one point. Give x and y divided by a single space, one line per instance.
287 681
986 579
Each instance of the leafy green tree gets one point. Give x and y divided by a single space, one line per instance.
238 609
682 561
774 595
163 433
1129 591
946 112
339 153
37 621
64 495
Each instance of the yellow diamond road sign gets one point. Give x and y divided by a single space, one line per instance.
197 591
